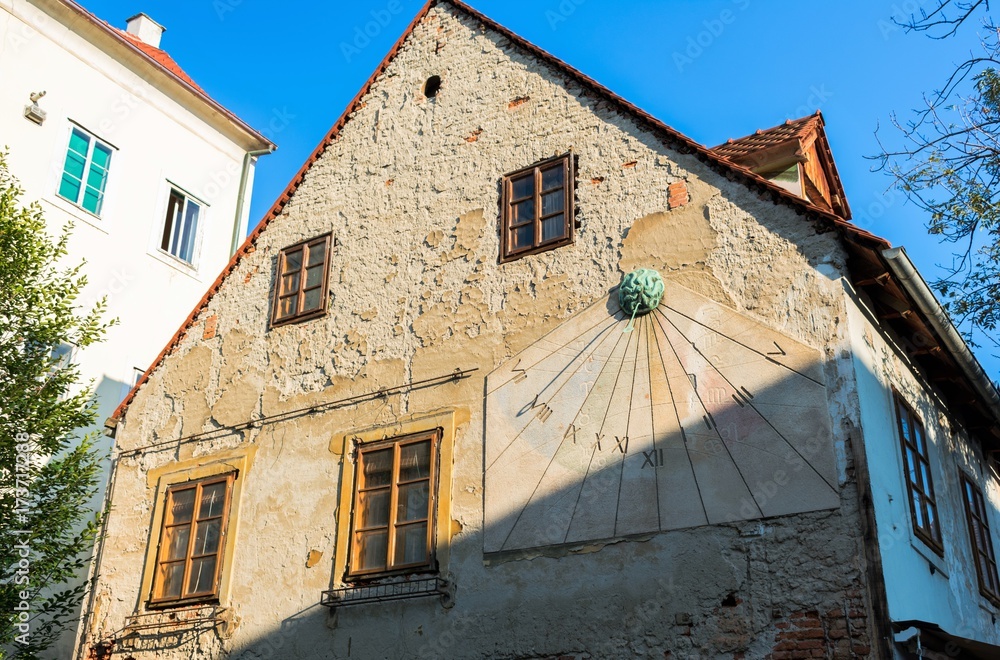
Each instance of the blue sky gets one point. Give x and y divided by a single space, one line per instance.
713 69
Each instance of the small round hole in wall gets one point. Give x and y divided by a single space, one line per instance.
432 86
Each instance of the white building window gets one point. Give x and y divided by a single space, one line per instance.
180 227
85 171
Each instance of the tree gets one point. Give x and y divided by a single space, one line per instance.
48 473
949 166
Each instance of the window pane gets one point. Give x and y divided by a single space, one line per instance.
181 505
173 204
377 468
314 276
415 461
202 579
69 187
372 549
289 283
206 540
175 542
316 254
213 498
523 187
911 469
904 422
553 227
523 236
918 508
411 544
191 213
553 201
552 177
373 508
918 432
170 579
411 502
79 143
313 300
522 211
286 306
293 261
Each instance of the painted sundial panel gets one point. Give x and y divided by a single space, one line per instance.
687 415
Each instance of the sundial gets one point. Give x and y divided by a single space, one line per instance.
654 409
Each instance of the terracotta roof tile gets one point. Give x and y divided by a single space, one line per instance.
792 129
160 56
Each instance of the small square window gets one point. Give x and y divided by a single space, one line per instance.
301 288
180 227
981 539
537 208
85 171
919 484
192 538
392 528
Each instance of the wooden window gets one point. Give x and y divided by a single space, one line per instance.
537 208
982 541
189 557
392 528
919 485
301 289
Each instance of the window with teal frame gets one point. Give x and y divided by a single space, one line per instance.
85 172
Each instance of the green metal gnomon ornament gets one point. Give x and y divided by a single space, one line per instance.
640 293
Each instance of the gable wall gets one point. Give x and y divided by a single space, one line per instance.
410 192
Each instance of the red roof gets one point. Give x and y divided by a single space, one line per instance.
792 129
679 141
160 56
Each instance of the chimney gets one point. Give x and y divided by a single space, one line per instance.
148 30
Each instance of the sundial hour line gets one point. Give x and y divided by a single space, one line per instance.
753 407
677 416
766 356
705 408
535 400
614 322
593 453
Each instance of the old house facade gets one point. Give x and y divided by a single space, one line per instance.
514 370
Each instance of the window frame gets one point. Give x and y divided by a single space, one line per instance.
158 601
975 511
167 234
88 164
354 574
301 315
507 252
928 501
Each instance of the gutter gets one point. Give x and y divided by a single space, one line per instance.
248 158
939 321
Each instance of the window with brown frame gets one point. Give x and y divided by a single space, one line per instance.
919 485
189 556
982 541
537 208
392 529
301 288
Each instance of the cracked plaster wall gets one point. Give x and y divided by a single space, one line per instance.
410 192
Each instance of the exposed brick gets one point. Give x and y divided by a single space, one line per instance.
211 324
519 101
677 194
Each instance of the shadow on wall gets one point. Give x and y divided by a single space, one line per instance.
734 526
